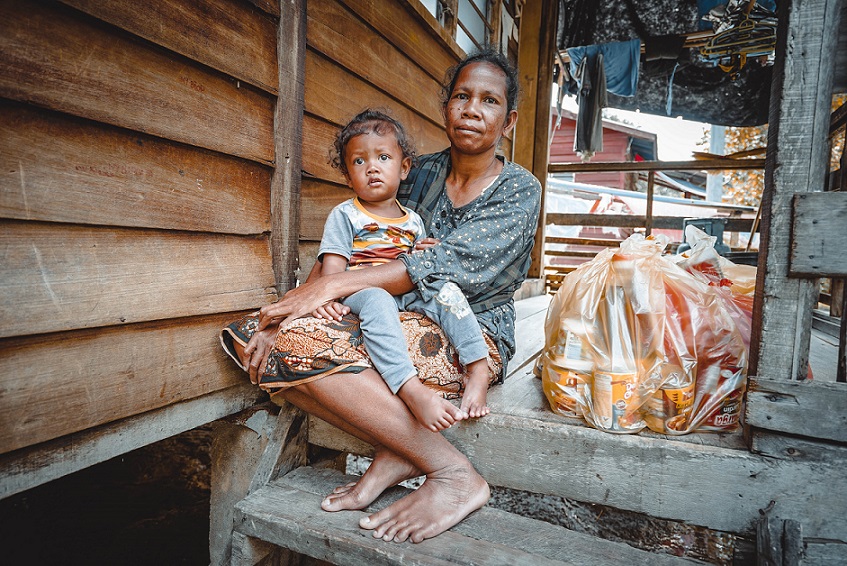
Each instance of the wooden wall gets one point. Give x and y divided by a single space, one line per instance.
363 54
137 154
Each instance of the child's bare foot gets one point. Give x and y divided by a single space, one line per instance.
476 389
431 410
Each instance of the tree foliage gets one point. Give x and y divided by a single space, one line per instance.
745 187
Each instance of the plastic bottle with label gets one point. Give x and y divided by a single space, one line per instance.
615 395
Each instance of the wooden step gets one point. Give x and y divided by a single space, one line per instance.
287 513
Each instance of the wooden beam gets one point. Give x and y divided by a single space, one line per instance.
633 221
704 165
797 161
819 235
541 138
30 467
808 408
288 142
605 242
648 225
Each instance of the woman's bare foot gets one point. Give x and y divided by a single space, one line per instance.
430 409
444 499
387 470
476 390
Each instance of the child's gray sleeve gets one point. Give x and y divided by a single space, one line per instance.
338 235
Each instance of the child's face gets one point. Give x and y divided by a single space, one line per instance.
375 166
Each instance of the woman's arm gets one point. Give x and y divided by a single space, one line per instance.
307 297
331 310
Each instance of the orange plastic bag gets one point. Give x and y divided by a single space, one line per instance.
635 341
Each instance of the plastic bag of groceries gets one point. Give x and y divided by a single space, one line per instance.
634 340
734 283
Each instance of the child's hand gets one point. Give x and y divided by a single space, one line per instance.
425 243
331 310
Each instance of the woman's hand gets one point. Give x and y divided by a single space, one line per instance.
332 310
256 352
426 243
297 302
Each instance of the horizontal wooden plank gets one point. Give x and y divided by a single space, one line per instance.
318 198
287 513
805 408
270 7
227 35
819 235
343 37
635 221
318 137
62 169
696 165
415 38
570 253
58 277
62 383
30 467
60 59
336 95
583 241
646 473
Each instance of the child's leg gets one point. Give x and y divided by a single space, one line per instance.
386 345
450 310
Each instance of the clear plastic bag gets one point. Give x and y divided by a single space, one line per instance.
656 346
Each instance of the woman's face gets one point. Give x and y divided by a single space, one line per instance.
476 116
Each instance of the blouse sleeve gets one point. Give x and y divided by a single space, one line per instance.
489 247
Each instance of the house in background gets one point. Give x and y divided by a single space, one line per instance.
620 143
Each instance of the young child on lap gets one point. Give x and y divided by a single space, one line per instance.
375 155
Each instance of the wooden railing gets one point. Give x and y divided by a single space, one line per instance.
554 274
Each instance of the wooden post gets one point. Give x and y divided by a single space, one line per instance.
535 68
841 374
648 224
797 162
249 450
288 143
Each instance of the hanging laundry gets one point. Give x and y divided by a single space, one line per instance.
598 69
591 97
621 60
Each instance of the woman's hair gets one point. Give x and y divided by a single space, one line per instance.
370 121
492 57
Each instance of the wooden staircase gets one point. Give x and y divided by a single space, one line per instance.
286 513
523 445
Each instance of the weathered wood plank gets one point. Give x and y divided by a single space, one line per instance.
55 57
228 36
341 36
820 235
778 445
287 513
319 197
805 408
73 277
336 95
248 450
58 384
644 473
27 468
318 137
414 37
288 143
797 161
62 169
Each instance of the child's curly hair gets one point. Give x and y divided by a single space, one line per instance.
370 121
